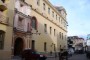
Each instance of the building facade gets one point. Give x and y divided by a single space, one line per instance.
77 42
36 24
52 25
6 28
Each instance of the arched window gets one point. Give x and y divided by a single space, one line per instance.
2 35
34 23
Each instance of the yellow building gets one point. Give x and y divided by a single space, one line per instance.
35 24
52 25
6 26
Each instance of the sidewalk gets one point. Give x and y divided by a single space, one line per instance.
52 58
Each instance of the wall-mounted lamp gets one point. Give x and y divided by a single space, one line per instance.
52 44
36 32
31 33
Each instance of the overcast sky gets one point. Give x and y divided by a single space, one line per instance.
78 15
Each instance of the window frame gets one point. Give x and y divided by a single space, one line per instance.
45 46
53 14
50 30
44 6
54 32
2 33
38 2
45 28
48 10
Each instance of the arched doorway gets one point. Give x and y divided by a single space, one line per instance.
18 46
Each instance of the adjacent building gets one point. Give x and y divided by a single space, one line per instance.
77 42
35 24
6 28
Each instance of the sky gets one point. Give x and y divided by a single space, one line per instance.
78 15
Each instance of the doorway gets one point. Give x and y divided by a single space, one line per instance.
18 46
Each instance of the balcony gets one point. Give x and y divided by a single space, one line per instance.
21 25
22 14
3 19
3 6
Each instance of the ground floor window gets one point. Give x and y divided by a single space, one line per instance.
2 34
45 46
33 44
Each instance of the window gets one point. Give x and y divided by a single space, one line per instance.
33 44
48 10
43 6
62 35
54 32
59 19
54 48
64 24
52 14
28 27
38 2
20 22
34 23
65 37
45 46
45 28
56 17
2 35
50 30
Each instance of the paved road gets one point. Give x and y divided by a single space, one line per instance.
78 57
52 58
74 57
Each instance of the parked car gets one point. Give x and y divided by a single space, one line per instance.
29 54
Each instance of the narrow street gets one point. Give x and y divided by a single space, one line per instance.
74 57
79 57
